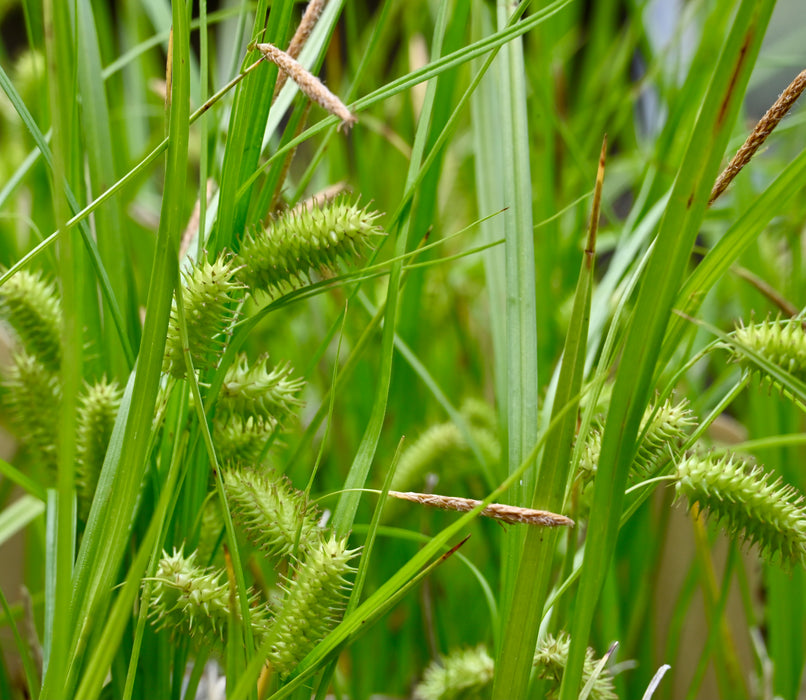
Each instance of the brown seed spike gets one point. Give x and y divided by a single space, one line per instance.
308 83
498 511
759 134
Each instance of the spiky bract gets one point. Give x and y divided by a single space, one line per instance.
312 605
273 514
747 504
258 390
465 674
303 240
551 658
783 343
191 600
96 418
31 306
33 401
208 295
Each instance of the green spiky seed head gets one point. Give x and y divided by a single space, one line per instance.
746 504
31 306
192 601
465 674
209 291
312 605
662 432
240 441
33 399
96 418
783 343
551 659
258 390
303 240
273 514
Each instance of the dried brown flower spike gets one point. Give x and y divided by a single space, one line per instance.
307 82
499 511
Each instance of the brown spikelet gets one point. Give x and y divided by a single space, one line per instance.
498 511
307 82
759 134
309 19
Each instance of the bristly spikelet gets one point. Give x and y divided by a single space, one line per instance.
258 390
31 306
551 658
96 418
746 505
192 601
208 294
273 514
783 343
303 240
33 401
240 441
312 605
663 432
465 673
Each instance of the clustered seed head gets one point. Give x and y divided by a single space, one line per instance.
208 294
300 241
783 343
273 514
313 602
96 418
240 441
551 658
257 390
191 600
663 428
464 673
31 306
747 505
33 400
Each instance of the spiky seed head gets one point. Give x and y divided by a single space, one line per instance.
31 307
258 390
313 603
191 600
33 399
464 673
240 441
783 343
551 659
301 241
747 504
274 515
98 407
209 293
